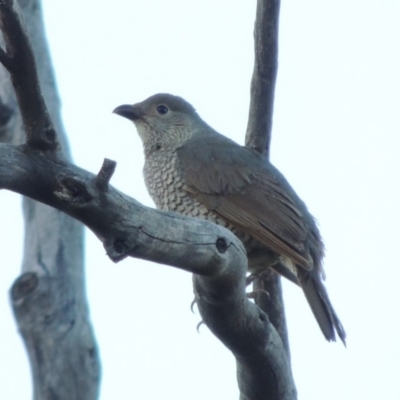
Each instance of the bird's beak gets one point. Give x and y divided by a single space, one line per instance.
133 113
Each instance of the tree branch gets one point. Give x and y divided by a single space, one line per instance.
49 298
259 126
258 137
19 60
126 228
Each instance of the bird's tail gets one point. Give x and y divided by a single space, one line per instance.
321 306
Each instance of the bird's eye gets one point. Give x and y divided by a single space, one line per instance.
162 109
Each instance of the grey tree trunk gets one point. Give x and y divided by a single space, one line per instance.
49 298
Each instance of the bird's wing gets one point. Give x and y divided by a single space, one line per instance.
246 190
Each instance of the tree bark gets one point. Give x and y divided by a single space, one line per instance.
49 298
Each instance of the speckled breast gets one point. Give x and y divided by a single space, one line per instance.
164 180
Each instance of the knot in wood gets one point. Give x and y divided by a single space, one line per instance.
73 190
120 246
222 246
24 285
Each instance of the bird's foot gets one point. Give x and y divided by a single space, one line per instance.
199 325
252 277
192 305
249 280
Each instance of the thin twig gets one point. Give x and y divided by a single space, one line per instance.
105 174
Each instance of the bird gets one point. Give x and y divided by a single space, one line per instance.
192 169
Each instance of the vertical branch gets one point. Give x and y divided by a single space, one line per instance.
258 137
259 126
272 304
19 60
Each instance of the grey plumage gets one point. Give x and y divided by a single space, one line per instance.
192 169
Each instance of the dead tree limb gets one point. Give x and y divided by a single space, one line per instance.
49 298
262 93
258 137
126 228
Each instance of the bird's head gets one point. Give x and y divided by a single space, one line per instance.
162 120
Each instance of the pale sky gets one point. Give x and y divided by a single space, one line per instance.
335 137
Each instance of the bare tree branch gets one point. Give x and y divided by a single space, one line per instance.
269 297
259 126
49 298
19 60
127 228
258 137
